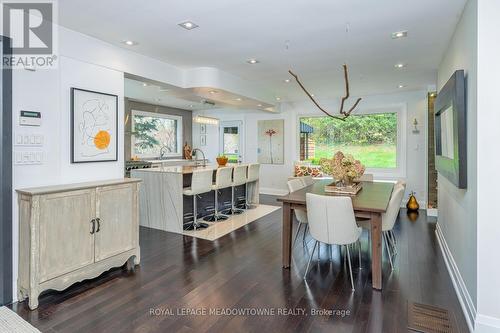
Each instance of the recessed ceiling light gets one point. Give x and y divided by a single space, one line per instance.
144 84
287 80
278 98
399 66
188 25
253 61
399 34
401 86
238 99
129 42
312 95
191 105
259 105
213 92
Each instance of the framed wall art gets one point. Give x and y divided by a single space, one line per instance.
94 126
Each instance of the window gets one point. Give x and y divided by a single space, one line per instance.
155 134
370 138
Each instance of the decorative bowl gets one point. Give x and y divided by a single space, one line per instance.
222 160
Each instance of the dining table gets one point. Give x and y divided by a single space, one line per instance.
369 203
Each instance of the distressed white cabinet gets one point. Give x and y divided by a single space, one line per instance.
70 233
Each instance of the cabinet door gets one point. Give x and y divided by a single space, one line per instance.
65 242
117 211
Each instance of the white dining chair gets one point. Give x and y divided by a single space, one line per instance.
388 221
331 221
307 180
296 184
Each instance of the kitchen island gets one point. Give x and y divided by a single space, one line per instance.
163 205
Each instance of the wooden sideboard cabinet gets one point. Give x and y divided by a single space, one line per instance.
69 233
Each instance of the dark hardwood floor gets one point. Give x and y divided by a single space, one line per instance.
243 271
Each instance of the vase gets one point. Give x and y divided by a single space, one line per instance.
348 181
412 204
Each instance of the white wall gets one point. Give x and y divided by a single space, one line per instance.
273 177
86 63
457 208
488 164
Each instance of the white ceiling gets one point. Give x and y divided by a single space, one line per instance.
230 32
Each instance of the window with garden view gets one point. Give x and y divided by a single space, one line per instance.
370 138
155 134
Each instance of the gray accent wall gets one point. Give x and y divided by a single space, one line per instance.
187 120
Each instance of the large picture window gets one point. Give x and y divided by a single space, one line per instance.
156 135
371 138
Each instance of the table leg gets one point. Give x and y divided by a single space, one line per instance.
287 235
376 236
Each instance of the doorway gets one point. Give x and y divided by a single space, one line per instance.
231 140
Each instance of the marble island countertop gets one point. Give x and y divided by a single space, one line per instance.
185 169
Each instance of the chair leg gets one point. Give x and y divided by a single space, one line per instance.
310 258
304 235
319 250
394 243
296 234
350 267
359 253
386 244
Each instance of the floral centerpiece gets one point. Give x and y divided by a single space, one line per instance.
343 168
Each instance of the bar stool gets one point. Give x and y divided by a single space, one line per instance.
252 176
201 182
222 180
239 178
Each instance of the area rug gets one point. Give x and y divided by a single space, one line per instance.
221 228
10 322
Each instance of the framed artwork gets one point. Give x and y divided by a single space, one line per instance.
270 136
94 126
203 128
203 140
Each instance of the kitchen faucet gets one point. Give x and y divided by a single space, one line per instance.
162 152
194 152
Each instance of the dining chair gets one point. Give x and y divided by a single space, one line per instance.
388 221
307 180
331 221
296 184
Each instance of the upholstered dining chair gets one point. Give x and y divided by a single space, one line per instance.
388 221
331 221
296 184
307 180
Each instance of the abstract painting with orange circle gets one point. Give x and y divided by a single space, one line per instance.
94 126
102 139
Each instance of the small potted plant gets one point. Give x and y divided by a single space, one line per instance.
222 160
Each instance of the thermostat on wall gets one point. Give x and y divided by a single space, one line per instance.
30 118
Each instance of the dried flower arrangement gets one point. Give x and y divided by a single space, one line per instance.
343 168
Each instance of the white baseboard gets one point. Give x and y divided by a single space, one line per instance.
463 295
487 324
272 191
